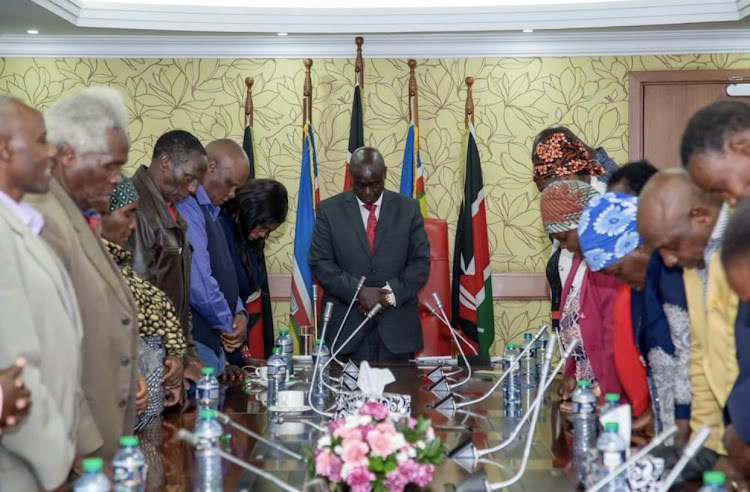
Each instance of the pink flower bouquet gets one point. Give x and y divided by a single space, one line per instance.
375 450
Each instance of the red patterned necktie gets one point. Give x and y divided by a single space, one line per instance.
372 224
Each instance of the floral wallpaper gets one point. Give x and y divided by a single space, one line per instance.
514 98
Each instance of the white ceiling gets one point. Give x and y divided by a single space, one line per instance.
392 28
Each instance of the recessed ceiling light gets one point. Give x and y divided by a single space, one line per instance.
32 31
282 34
528 30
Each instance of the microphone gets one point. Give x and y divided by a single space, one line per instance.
656 441
443 319
195 441
466 455
687 454
478 481
448 325
371 314
224 419
346 316
315 309
326 319
448 404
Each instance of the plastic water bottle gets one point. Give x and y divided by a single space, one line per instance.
611 401
611 455
284 340
92 480
320 356
713 482
528 362
512 382
208 477
541 349
276 367
584 425
129 466
207 390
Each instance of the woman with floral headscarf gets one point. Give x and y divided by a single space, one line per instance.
558 155
587 300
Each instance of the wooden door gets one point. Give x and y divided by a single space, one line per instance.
661 103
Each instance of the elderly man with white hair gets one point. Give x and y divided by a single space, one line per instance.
88 129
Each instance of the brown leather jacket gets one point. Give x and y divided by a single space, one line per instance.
161 251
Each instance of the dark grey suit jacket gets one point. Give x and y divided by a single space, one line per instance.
339 256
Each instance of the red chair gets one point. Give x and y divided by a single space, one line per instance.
437 338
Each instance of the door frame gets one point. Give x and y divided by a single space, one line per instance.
637 87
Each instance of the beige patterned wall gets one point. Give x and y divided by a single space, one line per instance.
515 98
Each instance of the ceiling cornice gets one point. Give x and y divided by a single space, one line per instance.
248 19
453 45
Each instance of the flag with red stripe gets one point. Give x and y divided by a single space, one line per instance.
472 306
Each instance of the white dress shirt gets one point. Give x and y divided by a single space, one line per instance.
366 215
27 214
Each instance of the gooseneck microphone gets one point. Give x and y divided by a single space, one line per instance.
687 454
539 332
346 316
196 442
656 441
316 362
224 419
444 319
371 314
477 481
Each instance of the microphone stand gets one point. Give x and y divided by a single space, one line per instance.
507 371
194 441
478 481
687 454
455 339
640 454
544 383
346 316
224 419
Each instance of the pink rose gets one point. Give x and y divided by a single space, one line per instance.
328 465
348 434
386 429
396 481
375 410
379 442
359 479
354 453
412 422
335 424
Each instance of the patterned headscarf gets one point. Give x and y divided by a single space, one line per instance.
563 203
607 230
558 155
123 194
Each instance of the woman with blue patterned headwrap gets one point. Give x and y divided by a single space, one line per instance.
610 243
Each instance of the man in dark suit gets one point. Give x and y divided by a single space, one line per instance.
353 238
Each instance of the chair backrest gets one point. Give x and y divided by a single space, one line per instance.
437 338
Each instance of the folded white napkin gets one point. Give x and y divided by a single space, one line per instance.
372 381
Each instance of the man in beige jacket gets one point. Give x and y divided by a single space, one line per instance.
88 129
38 452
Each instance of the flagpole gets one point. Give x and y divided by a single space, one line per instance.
307 94
249 102
359 63
469 114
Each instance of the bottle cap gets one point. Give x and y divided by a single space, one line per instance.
584 383
92 465
612 398
318 341
713 478
207 413
528 336
277 351
511 346
284 331
207 371
129 441
611 427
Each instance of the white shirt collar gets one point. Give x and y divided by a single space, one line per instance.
377 202
27 214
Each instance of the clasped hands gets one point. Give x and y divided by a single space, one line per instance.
369 296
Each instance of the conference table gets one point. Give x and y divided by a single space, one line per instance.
171 462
